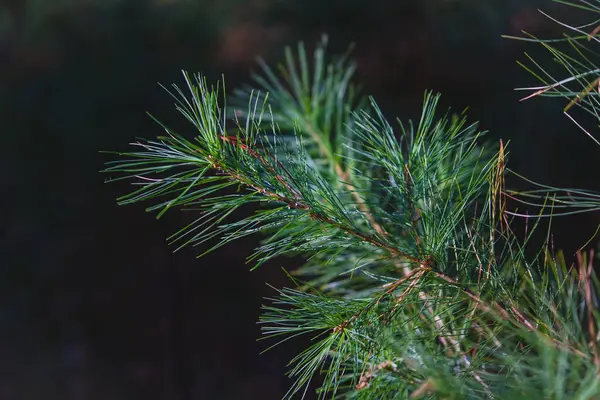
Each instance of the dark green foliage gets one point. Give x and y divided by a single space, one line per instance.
415 285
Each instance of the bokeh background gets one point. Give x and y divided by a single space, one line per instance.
93 304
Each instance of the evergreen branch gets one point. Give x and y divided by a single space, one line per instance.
425 288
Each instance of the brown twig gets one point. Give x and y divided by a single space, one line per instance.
366 376
593 33
234 140
427 387
414 275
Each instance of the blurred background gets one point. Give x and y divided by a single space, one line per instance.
93 304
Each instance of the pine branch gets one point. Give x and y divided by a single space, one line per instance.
416 283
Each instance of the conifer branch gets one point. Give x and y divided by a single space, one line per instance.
416 284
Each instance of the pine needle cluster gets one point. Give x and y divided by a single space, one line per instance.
414 284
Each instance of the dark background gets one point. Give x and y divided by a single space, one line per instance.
93 304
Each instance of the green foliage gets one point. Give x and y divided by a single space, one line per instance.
415 285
